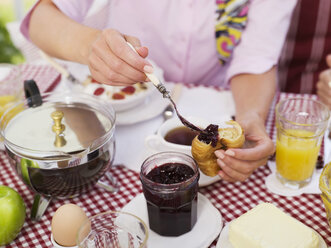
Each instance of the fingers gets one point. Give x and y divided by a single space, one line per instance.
263 148
328 60
118 46
114 62
98 68
325 76
235 169
135 42
324 93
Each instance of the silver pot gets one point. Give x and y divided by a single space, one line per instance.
60 144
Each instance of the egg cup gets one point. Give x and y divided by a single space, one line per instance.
56 245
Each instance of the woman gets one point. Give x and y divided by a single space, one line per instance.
179 35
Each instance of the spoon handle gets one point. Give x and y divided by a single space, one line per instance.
154 79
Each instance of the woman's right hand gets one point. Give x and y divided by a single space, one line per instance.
111 61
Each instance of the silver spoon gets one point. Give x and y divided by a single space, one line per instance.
162 89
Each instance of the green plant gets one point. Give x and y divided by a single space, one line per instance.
8 52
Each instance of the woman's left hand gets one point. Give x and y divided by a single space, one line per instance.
324 84
238 164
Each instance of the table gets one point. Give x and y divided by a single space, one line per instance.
231 199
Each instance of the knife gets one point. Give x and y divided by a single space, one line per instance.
64 72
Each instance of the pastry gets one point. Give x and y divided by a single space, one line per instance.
213 138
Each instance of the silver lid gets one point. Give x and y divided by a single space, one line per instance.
65 124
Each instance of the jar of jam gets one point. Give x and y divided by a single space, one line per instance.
170 186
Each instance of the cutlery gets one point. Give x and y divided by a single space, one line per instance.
162 89
64 72
168 112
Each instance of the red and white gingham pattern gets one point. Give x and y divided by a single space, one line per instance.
232 199
45 76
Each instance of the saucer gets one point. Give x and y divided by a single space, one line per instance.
208 226
276 187
223 240
151 107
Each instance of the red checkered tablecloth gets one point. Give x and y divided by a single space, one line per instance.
231 199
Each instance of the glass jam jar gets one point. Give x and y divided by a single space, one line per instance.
170 186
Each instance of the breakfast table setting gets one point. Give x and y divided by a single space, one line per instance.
139 125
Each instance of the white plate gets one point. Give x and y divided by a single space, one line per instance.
151 107
134 109
129 101
205 231
223 240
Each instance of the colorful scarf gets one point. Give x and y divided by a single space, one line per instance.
231 21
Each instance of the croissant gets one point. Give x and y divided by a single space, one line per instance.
203 152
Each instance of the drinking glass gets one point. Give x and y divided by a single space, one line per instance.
113 230
11 88
325 187
172 201
301 124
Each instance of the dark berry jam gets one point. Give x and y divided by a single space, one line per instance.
209 135
174 212
170 173
181 136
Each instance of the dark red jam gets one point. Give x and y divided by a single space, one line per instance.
172 213
170 173
209 135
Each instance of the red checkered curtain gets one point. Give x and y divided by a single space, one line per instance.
307 44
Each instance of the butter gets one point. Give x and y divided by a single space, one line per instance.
266 226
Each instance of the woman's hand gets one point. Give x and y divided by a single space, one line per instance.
239 164
324 84
112 61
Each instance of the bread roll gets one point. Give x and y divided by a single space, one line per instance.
228 137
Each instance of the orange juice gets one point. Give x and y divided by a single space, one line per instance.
6 102
296 154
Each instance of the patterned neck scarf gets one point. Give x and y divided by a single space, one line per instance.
231 21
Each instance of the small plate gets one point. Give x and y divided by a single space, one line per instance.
205 231
223 240
151 107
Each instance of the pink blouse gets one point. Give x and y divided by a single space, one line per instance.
180 35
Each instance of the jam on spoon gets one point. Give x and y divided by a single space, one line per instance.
208 135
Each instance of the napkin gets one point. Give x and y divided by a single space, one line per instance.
45 76
276 187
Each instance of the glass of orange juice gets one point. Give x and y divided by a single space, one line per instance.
301 124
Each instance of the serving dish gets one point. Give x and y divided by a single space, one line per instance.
223 240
